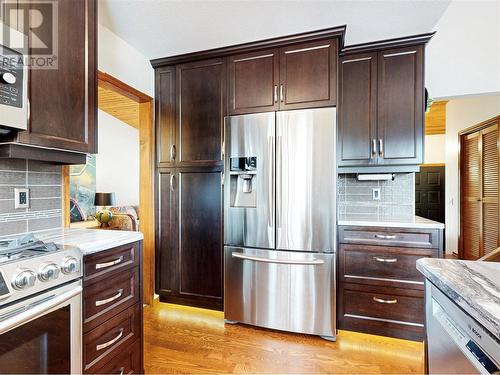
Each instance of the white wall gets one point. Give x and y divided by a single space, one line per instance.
463 58
435 149
461 114
117 163
122 61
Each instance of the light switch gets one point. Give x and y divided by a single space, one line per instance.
21 198
376 194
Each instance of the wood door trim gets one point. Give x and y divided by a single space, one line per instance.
107 81
146 172
480 126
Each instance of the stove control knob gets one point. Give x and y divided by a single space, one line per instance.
24 279
8 78
69 265
48 271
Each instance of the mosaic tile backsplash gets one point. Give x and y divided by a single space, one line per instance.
44 181
397 197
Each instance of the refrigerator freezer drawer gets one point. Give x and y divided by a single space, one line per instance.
289 291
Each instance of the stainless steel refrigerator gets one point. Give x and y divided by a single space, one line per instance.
280 220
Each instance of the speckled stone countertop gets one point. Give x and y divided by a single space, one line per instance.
389 221
473 285
89 240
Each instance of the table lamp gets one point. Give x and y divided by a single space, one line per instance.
104 200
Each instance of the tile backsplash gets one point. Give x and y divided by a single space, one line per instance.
44 181
397 197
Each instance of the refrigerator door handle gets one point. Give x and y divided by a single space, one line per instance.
279 168
270 213
312 262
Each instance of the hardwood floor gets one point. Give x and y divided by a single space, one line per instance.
181 339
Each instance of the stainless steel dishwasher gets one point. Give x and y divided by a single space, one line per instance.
456 343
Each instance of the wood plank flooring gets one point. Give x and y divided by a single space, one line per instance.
181 339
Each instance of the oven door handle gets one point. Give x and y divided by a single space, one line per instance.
37 310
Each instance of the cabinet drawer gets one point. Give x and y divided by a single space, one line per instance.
377 305
107 298
111 337
387 311
376 264
127 361
101 264
401 237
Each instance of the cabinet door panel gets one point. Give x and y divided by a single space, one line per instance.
357 129
165 116
253 82
63 104
308 75
201 100
401 105
200 235
166 241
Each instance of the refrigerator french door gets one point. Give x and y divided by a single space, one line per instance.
279 230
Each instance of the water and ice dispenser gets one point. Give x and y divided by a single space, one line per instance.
243 177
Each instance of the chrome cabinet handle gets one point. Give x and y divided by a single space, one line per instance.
374 147
381 147
282 96
110 299
385 260
172 182
276 93
388 301
121 370
110 342
385 236
172 152
118 260
312 262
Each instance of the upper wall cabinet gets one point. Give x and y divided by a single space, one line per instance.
297 76
381 107
63 101
165 115
253 82
201 107
308 75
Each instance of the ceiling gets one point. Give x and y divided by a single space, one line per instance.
159 28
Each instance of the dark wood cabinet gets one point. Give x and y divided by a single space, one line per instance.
253 82
357 114
401 106
302 75
63 100
380 290
112 311
308 75
165 115
201 107
190 242
381 111
189 129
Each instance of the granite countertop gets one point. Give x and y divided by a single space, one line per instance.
89 240
389 221
473 285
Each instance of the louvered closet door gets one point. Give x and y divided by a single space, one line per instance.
471 197
490 194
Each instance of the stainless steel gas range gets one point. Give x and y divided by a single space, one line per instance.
40 307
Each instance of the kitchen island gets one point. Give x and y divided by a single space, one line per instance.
462 316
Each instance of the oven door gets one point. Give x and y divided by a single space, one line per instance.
43 334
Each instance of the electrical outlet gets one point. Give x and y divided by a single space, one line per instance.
21 198
376 194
